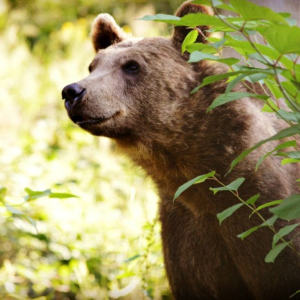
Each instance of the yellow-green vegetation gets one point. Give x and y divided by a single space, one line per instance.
105 242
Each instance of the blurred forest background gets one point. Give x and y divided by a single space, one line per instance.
103 244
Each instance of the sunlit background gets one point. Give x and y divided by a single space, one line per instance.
105 243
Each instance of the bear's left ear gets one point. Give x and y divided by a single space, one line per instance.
180 32
106 32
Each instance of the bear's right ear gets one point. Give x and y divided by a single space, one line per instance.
180 32
106 32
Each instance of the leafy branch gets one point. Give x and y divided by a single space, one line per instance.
251 204
14 209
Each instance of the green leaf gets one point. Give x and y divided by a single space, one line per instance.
244 70
198 56
3 192
286 161
283 232
271 256
130 259
288 115
288 209
190 38
261 58
293 154
245 48
228 212
200 46
13 210
295 129
126 274
285 14
203 2
248 232
286 145
32 195
234 82
279 147
295 294
198 19
216 3
268 204
293 88
32 222
226 98
253 199
269 222
170 19
189 20
196 180
257 77
233 186
269 106
296 84
213 78
273 87
226 7
284 38
62 195
250 11
250 26
218 44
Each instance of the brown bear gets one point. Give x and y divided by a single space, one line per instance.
138 93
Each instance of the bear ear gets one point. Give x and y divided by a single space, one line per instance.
106 32
180 32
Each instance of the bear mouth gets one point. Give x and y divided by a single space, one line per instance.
85 120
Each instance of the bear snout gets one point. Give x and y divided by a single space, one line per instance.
72 94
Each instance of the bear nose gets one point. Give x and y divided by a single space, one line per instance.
72 93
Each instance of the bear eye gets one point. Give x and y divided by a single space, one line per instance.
131 67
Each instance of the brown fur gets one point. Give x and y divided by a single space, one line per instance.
162 127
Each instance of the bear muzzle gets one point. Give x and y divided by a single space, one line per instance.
72 94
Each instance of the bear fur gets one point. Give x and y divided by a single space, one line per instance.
138 93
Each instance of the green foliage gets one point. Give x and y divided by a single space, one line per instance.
279 147
263 36
287 132
197 56
250 11
289 209
233 186
271 256
284 38
270 222
37 21
191 20
228 212
229 97
189 39
196 180
283 232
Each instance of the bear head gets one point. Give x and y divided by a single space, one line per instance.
137 86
